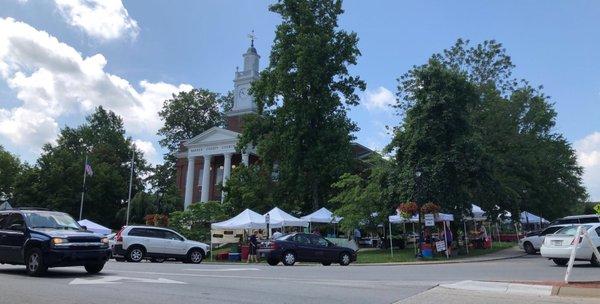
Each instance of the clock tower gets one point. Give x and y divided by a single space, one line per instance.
243 103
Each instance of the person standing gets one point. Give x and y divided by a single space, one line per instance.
357 236
253 248
449 238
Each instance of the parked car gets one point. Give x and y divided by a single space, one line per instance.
533 241
559 245
136 243
41 239
302 247
577 219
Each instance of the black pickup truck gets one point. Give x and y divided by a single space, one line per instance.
40 239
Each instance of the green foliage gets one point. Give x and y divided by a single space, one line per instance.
10 169
435 137
141 205
250 187
56 180
194 223
303 132
365 201
514 159
597 208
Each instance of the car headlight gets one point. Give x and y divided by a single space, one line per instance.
58 241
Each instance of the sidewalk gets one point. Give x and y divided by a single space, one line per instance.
460 296
510 253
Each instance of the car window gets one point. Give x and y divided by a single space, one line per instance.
302 239
591 219
549 230
14 219
571 230
3 219
171 236
318 241
145 232
598 231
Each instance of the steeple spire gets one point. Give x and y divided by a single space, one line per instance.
252 36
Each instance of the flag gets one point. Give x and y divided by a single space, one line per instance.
88 169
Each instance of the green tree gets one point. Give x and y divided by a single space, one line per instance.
303 132
57 177
10 169
251 187
435 137
366 199
194 223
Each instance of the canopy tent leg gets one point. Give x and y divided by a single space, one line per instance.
415 242
390 236
466 236
445 240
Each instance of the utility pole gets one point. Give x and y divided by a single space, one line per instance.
130 182
83 188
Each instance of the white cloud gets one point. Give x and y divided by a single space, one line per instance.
52 79
104 19
588 155
378 99
149 150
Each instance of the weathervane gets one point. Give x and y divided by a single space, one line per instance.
252 36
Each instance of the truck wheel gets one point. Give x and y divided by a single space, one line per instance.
94 268
34 261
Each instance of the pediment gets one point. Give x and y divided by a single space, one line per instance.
213 135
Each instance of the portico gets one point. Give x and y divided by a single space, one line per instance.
207 161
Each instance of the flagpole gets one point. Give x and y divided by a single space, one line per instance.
130 182
83 188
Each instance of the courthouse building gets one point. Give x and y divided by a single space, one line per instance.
205 161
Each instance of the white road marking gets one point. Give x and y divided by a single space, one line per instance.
118 280
222 270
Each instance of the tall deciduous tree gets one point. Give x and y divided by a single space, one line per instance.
10 169
57 178
303 132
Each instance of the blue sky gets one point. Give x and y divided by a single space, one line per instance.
59 59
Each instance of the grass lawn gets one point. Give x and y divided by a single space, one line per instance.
408 254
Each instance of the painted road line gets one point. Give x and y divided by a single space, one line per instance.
222 270
119 280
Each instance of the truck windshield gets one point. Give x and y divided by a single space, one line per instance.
49 219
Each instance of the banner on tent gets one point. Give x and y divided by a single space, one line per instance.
429 220
225 236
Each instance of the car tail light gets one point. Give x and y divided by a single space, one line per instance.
273 246
118 237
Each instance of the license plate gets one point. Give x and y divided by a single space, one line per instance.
556 243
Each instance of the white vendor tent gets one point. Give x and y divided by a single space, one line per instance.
440 217
322 216
279 218
526 217
93 227
247 219
477 214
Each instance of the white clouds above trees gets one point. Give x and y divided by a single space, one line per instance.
588 155
52 79
379 99
102 19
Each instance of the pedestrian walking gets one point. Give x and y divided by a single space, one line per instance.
253 247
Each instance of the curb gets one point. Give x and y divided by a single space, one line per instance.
525 289
499 287
457 261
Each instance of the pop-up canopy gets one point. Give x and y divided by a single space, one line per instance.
322 216
478 214
93 227
248 219
5 206
440 217
279 218
526 217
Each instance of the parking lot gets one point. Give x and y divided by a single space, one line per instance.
259 283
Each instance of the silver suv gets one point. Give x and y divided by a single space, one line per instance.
136 243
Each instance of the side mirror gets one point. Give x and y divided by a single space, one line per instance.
84 228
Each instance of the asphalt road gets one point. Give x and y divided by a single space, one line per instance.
174 283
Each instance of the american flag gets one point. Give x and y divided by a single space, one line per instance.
88 169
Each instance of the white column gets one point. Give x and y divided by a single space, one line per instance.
189 182
206 179
226 171
246 159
